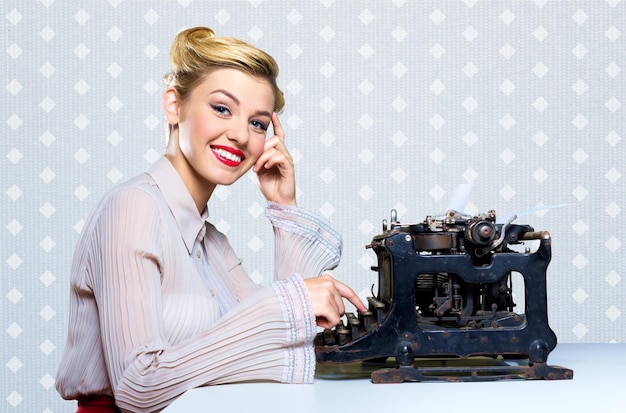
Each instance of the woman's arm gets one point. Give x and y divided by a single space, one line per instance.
304 244
309 245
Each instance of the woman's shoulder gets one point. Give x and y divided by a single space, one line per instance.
138 189
138 197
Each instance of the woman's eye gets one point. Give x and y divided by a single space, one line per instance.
259 125
222 110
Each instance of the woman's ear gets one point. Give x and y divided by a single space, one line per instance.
171 106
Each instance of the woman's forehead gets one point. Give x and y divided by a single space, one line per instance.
239 86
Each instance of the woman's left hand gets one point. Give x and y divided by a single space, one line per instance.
275 168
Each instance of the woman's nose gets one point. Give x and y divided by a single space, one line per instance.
238 132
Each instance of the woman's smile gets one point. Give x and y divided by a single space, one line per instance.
227 155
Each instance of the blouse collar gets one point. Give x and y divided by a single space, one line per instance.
181 204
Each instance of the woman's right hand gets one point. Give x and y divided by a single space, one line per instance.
327 296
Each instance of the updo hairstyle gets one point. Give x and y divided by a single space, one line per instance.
196 52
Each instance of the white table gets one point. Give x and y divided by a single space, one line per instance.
598 386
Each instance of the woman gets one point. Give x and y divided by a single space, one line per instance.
159 301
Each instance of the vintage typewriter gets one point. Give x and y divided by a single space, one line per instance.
446 292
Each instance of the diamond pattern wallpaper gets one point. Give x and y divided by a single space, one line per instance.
390 105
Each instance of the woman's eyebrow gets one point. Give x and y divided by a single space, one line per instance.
234 99
227 93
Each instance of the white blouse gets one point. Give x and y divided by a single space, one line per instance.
160 303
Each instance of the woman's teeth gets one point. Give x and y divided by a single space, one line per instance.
227 155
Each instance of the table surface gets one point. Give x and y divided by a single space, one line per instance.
599 385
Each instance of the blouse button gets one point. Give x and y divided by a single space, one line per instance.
212 292
198 254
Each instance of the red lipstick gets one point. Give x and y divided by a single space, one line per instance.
228 155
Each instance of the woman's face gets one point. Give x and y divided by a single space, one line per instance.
222 127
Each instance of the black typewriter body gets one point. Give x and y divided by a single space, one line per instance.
446 292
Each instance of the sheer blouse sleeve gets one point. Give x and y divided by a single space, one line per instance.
304 243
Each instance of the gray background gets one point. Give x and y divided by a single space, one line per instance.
390 104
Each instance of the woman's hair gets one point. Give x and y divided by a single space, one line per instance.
196 52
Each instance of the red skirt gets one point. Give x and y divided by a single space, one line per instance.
97 404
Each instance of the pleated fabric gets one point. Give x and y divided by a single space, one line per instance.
160 303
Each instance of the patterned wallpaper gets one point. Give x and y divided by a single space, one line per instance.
390 104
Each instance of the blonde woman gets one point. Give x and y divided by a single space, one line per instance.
159 302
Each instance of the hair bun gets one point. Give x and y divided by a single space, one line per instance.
185 47
197 34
